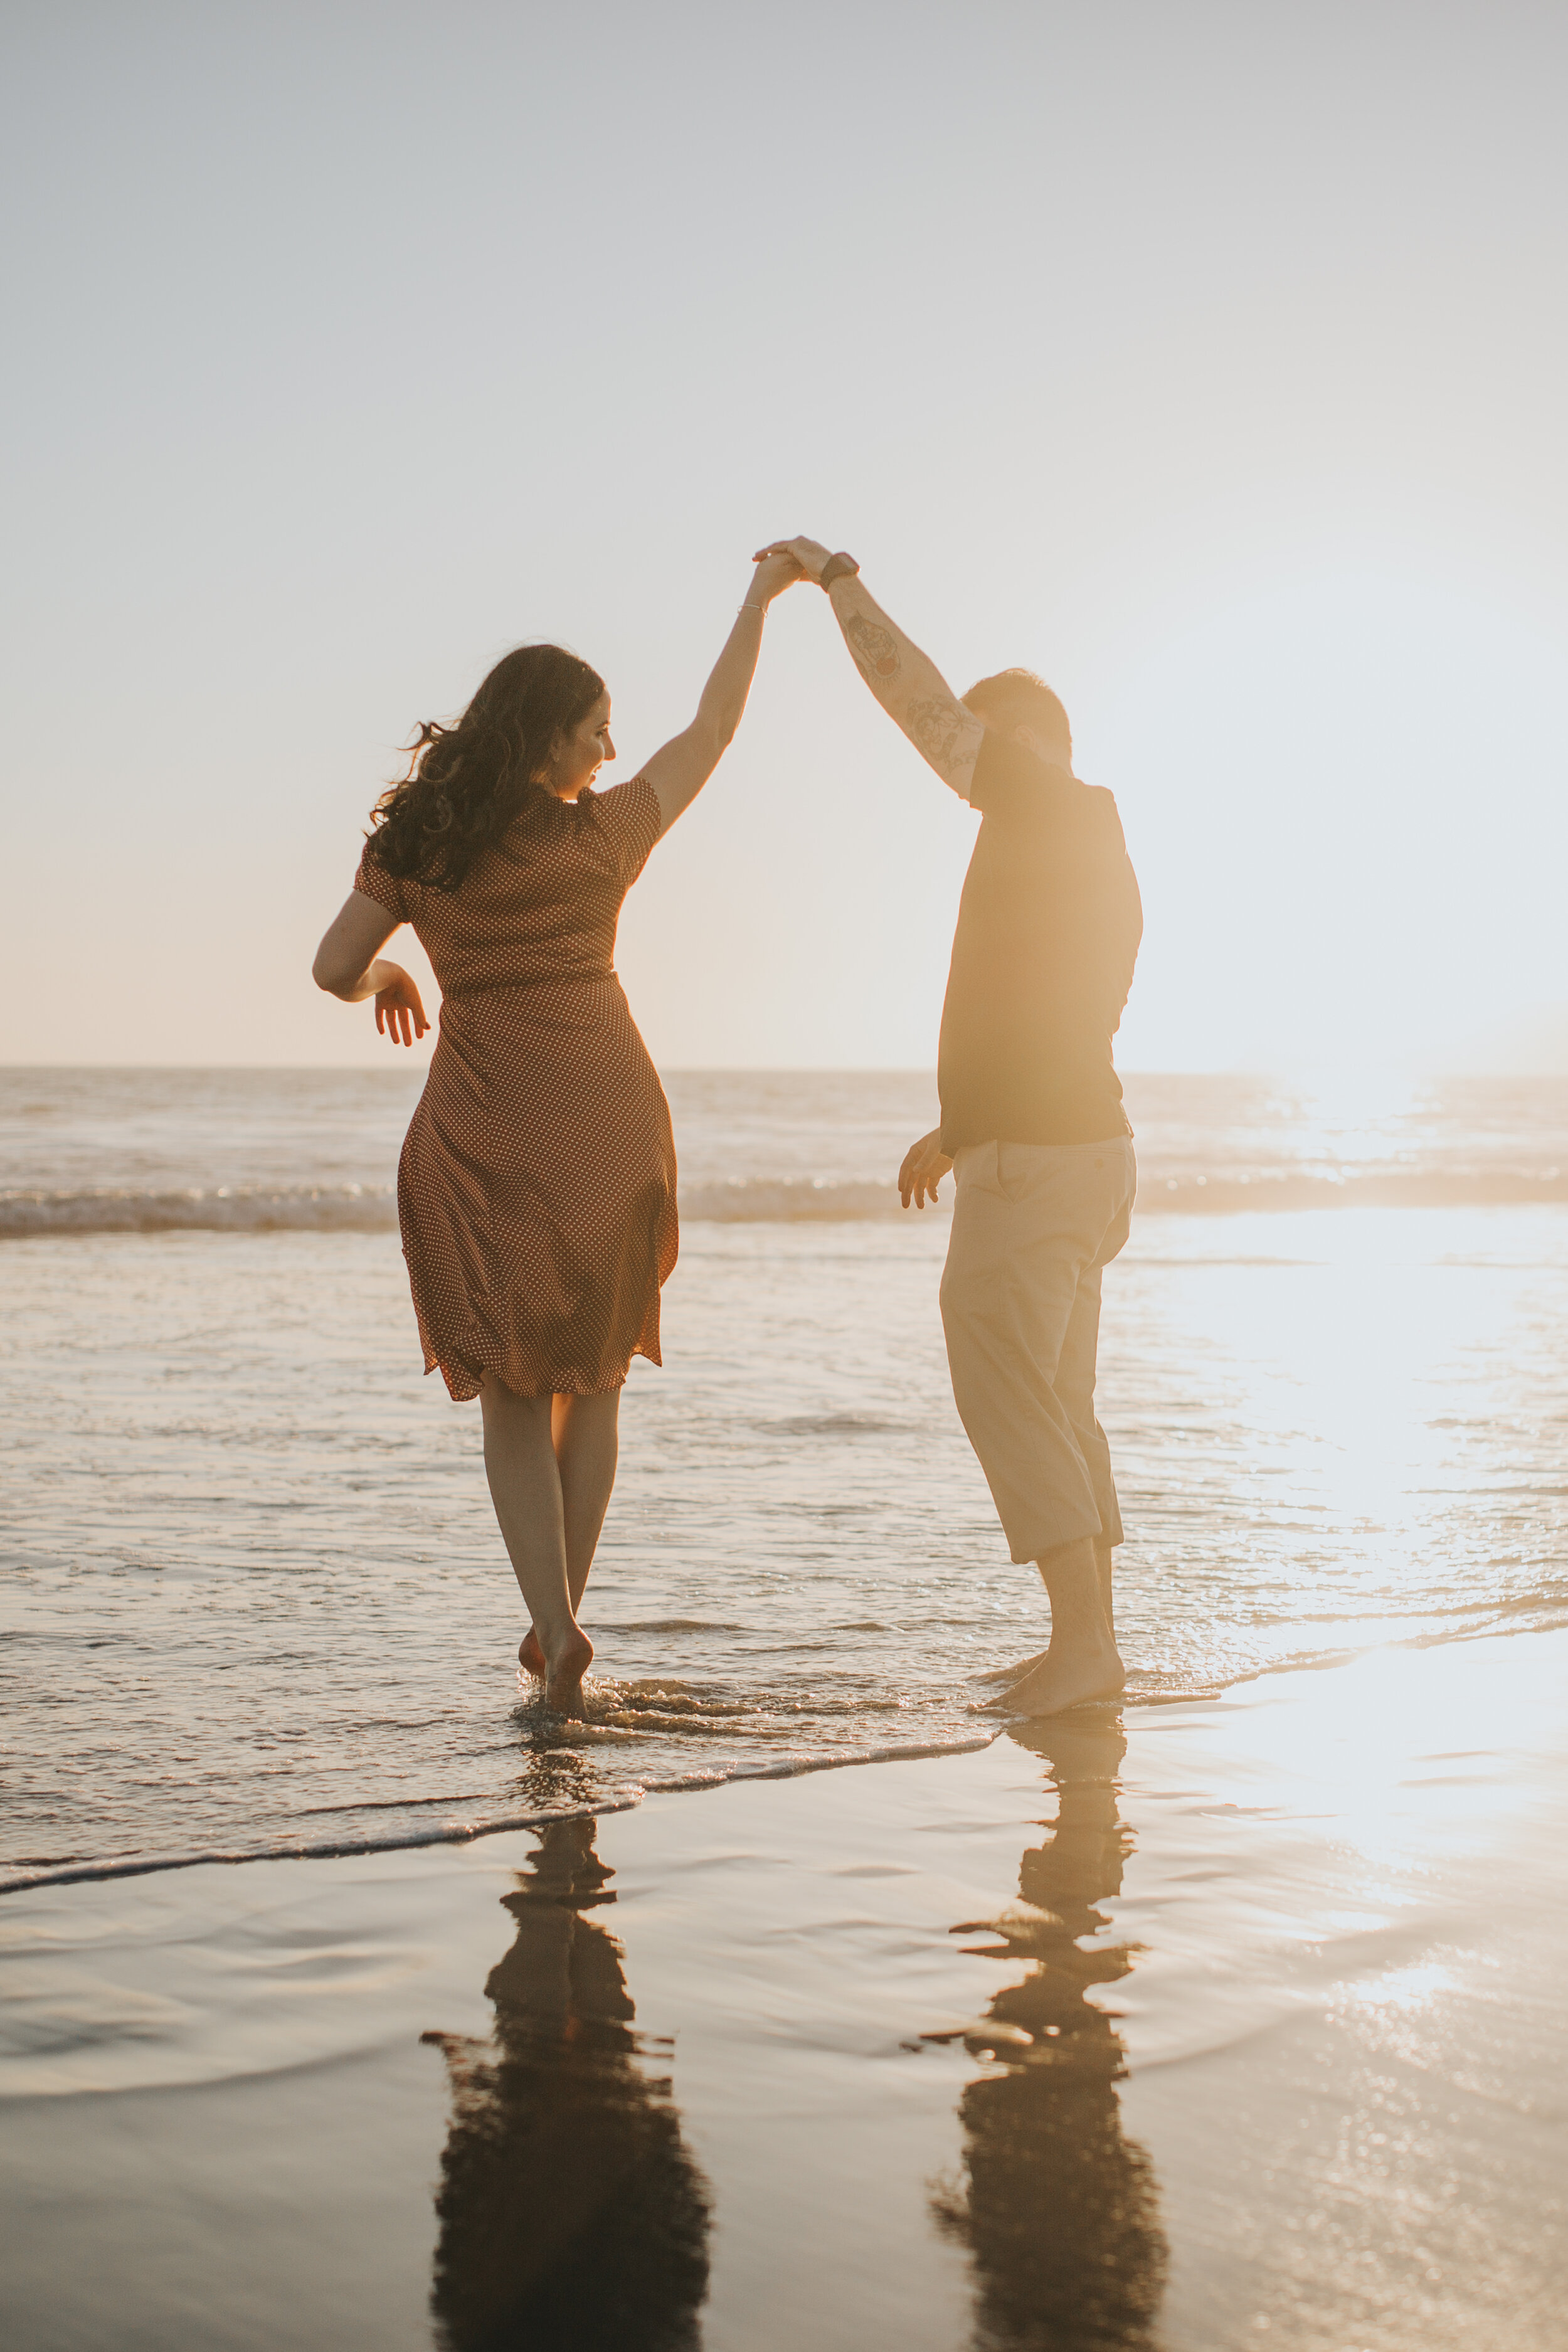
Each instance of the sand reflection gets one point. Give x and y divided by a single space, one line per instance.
1057 2207
570 2210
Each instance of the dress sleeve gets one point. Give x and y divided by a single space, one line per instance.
376 883
630 817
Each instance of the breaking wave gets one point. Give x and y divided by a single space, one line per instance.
373 1208
227 1209
1404 1188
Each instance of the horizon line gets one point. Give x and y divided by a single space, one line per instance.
1303 1067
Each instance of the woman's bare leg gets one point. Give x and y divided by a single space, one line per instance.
525 1487
584 1431
586 1434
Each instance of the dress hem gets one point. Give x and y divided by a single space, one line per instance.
464 1383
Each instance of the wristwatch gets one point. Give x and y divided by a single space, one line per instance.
835 569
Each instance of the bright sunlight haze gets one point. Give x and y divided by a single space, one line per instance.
1228 397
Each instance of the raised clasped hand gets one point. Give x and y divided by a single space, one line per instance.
775 572
808 553
399 1011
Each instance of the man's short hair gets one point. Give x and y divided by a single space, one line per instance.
1017 698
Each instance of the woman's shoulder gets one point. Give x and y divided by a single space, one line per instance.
612 830
621 803
628 811
549 829
629 816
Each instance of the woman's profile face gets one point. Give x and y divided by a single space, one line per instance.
580 754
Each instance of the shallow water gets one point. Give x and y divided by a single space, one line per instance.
255 1601
1238 2023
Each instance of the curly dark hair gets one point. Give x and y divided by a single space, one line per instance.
468 784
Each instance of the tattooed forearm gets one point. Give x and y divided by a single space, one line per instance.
907 685
875 649
934 728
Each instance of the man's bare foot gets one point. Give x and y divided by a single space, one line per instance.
530 1657
1011 1674
563 1681
1104 1558
1069 1675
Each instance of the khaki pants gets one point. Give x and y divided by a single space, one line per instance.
1033 1225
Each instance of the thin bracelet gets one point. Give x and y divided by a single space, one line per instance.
750 608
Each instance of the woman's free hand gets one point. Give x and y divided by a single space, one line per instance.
399 1013
808 553
925 1165
775 572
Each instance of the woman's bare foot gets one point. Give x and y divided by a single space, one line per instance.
1071 1673
563 1681
530 1657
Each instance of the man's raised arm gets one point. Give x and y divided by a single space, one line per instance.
907 685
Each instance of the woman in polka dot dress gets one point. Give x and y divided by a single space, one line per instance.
536 1189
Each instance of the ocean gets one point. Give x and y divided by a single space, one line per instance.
255 1602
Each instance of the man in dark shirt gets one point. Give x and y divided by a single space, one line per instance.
1048 934
1032 1121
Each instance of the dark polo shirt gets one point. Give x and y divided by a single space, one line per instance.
1047 935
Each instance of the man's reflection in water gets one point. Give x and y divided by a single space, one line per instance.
570 2210
1060 2209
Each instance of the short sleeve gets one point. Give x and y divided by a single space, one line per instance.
630 819
374 882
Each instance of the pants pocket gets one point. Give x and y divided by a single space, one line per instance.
974 1168
1018 1165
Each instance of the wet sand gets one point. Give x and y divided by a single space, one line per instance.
1240 2023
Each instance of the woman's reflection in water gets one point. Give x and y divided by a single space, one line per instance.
1059 2209
570 2210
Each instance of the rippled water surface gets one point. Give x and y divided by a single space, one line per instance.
256 1599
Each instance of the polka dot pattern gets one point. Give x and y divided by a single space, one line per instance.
536 1189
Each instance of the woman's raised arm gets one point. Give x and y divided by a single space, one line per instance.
680 770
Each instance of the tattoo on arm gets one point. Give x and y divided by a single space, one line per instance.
875 649
934 728
910 688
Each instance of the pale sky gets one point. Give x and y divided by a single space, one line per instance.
1211 360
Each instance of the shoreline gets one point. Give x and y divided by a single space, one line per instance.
1262 2029
339 1850
702 1779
